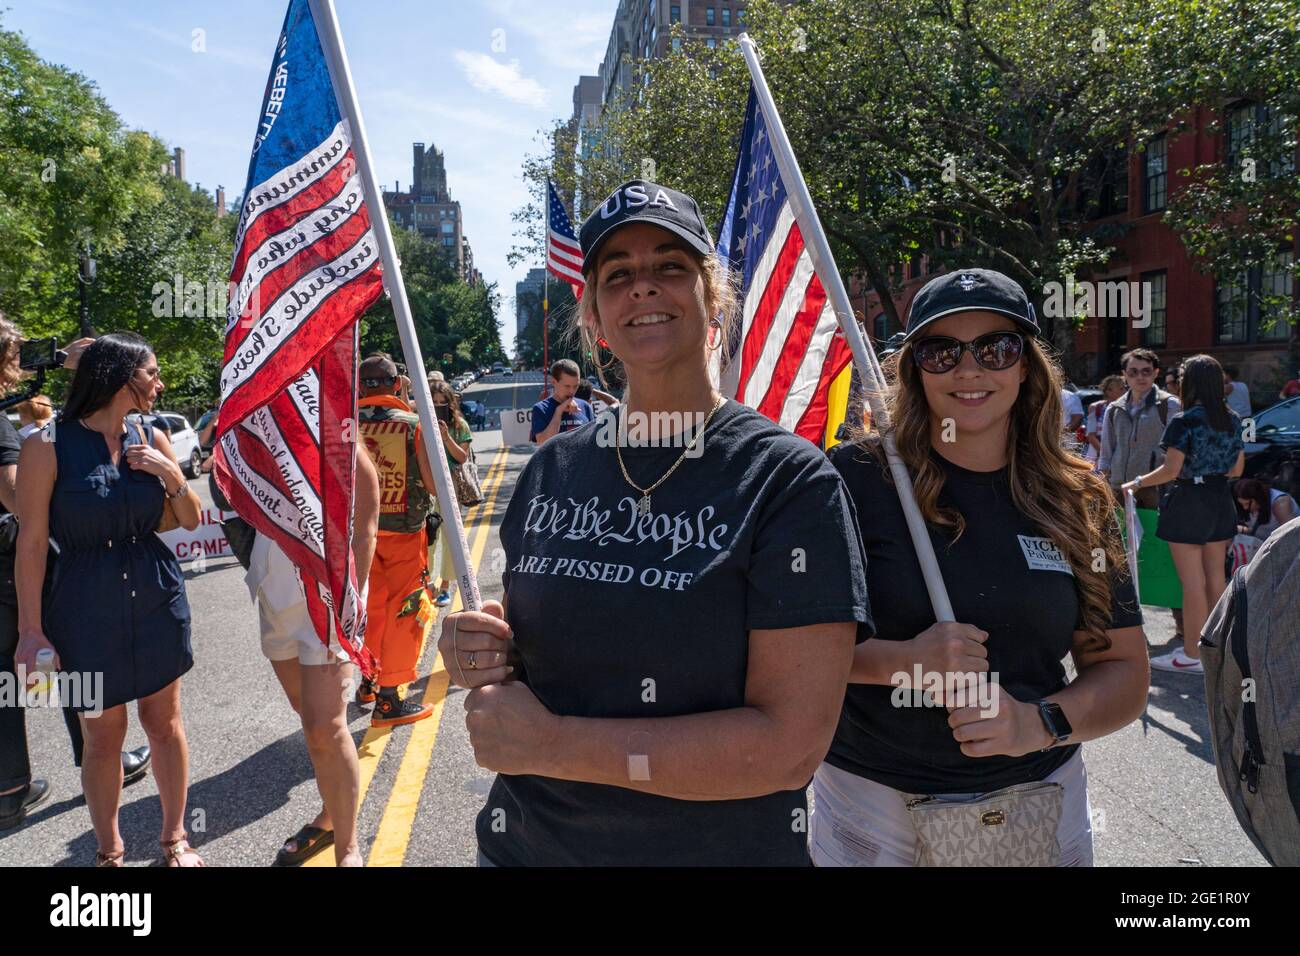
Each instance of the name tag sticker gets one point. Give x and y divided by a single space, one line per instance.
1041 554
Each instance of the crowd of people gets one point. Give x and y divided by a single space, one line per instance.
690 639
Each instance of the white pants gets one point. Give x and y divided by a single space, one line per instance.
858 822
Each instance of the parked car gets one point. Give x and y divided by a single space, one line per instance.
185 443
1274 455
508 372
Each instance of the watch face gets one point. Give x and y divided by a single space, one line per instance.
1056 721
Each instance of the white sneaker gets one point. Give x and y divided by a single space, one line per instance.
1176 660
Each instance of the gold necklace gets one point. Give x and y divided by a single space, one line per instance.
643 505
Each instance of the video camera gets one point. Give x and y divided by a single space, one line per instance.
39 356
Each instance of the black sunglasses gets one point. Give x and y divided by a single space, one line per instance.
996 351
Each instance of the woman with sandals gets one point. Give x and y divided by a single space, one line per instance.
1026 540
682 610
97 482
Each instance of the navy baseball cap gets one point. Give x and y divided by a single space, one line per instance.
641 201
970 290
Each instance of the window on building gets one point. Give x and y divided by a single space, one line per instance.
449 241
726 16
1231 297
448 228
675 14
1156 175
1153 336
677 44
1249 306
711 43
1276 292
880 328
709 16
1257 128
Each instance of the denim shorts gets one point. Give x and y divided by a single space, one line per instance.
858 822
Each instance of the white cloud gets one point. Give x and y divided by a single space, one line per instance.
502 79
574 40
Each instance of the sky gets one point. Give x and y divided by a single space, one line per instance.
478 78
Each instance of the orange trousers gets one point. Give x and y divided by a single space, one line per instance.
397 607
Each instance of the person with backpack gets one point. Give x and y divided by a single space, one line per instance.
1250 648
1133 425
1203 452
397 606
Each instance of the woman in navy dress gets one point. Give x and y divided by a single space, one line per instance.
96 482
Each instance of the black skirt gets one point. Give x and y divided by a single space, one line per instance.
1193 513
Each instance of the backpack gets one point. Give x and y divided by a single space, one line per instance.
1250 649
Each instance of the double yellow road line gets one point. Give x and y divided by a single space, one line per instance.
394 834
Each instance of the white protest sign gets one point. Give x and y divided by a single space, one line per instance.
516 424
205 541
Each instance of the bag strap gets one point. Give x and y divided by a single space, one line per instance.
1162 409
1108 422
1253 758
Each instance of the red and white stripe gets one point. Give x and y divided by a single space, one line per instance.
790 344
564 259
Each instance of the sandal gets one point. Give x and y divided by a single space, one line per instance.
175 850
309 841
111 860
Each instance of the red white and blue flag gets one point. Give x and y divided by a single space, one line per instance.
789 347
563 254
306 267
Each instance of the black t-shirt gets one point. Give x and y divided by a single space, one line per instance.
1003 577
757 532
10 446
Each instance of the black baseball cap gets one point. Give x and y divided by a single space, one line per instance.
641 201
970 290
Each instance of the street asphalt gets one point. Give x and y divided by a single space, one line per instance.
1154 794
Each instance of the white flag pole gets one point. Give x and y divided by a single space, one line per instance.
327 28
864 358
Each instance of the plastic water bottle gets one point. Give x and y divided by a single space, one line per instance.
44 671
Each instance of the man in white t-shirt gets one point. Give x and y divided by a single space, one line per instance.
1237 394
1071 410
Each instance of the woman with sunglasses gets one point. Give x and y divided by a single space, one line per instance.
1027 544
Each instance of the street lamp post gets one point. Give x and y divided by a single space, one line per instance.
85 276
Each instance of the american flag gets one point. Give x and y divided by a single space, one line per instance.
306 267
563 254
789 347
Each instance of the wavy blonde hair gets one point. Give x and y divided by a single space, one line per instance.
1056 489
721 301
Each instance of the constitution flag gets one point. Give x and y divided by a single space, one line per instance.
306 266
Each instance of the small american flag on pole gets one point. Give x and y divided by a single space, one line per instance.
563 254
789 348
306 267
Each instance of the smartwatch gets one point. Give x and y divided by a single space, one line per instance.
1055 721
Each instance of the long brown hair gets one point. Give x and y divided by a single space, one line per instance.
1056 489
1203 385
442 387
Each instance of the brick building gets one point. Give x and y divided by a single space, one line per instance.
1191 311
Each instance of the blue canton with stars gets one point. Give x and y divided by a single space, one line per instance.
559 223
757 197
